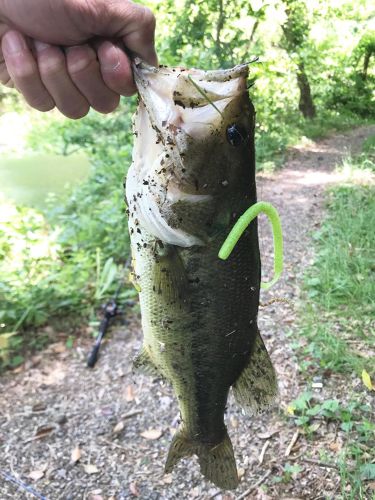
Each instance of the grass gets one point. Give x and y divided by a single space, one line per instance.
339 303
336 326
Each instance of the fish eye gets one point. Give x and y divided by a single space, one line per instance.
236 135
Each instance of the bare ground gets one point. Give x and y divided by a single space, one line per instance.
71 433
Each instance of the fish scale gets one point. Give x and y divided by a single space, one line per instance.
187 186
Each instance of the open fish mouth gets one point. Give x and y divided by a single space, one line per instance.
173 101
184 115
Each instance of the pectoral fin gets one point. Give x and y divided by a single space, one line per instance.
256 387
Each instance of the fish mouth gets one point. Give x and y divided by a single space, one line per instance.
190 101
181 121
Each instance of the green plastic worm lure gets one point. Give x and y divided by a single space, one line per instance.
241 225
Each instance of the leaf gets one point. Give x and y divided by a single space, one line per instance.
36 474
269 434
134 489
290 410
4 340
313 281
314 427
129 393
118 427
43 432
152 434
76 455
368 471
241 472
17 360
366 379
39 407
69 342
346 426
334 446
91 469
168 479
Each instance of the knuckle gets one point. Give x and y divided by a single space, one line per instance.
51 66
80 62
148 19
24 72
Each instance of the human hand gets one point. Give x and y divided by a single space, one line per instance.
70 53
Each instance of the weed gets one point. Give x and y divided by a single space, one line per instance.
337 320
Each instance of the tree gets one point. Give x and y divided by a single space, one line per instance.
296 30
206 33
366 49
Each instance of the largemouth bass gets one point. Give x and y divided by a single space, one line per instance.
192 177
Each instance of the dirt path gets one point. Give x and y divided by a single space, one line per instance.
56 405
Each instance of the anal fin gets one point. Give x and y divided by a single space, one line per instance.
256 387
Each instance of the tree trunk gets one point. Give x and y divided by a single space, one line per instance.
366 63
306 105
219 27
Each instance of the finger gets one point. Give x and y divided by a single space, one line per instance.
54 73
140 35
135 24
84 70
4 75
116 69
23 70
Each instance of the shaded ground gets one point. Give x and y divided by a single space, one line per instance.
73 434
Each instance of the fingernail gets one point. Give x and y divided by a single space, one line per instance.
151 57
13 43
40 46
112 57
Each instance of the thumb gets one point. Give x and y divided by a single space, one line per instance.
137 30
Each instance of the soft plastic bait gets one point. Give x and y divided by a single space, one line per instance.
242 224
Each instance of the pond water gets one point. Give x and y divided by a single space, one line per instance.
29 180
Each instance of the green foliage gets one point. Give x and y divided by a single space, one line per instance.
64 261
296 28
209 33
352 93
340 286
290 472
352 418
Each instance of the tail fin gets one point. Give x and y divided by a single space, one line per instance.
256 387
217 462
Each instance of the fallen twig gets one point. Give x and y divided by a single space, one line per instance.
255 486
263 452
22 485
319 463
132 414
292 443
115 445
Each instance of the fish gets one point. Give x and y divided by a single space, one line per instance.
192 176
